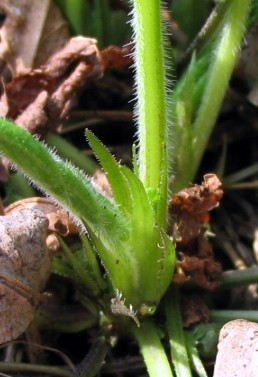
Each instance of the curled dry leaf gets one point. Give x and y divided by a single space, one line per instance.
190 207
59 220
25 269
196 261
189 215
41 99
32 32
116 57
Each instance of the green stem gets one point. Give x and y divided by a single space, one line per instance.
246 276
220 70
240 175
224 316
194 355
23 368
151 109
152 350
176 334
93 361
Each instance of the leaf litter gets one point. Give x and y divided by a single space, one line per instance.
25 269
41 100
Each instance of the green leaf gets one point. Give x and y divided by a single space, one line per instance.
211 72
141 211
67 184
118 183
149 253
80 270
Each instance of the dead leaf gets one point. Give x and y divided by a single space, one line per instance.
41 99
189 209
25 269
32 32
189 216
116 57
196 261
17 306
59 220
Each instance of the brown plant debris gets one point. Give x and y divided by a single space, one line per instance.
59 220
41 99
100 180
31 33
25 269
189 215
194 310
116 57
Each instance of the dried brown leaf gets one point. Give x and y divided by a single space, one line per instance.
32 32
116 57
59 220
25 269
40 100
189 215
196 261
189 209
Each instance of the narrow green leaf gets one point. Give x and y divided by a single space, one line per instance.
112 169
152 350
142 208
176 334
67 184
153 248
225 55
80 270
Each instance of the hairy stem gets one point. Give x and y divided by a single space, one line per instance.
151 109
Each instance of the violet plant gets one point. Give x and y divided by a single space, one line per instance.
129 230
